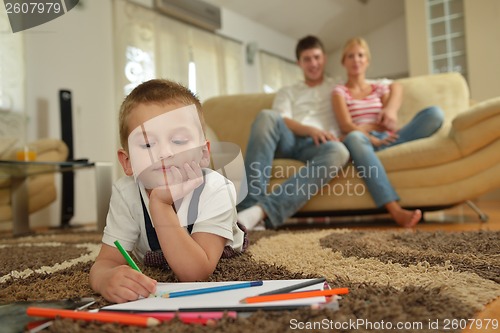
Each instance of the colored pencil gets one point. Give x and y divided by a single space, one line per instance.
249 308
105 317
288 296
212 289
294 287
127 257
190 317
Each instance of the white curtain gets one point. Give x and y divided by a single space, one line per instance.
151 45
12 67
277 72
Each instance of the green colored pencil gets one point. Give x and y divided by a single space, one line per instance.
127 257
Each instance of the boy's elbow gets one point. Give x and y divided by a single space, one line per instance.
195 274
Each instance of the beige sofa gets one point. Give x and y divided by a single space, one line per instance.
41 188
460 162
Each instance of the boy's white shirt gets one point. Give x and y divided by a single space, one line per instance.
125 220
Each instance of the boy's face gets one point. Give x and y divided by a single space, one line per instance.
163 137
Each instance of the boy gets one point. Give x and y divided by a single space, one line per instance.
164 149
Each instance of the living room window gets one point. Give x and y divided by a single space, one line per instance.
447 36
151 45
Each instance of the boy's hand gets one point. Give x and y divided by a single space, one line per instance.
123 284
177 188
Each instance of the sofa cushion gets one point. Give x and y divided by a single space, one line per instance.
434 150
447 90
231 116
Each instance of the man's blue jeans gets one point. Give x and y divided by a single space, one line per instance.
270 138
367 163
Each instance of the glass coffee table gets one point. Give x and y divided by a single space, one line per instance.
19 171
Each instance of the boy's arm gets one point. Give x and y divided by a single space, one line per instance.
115 280
191 257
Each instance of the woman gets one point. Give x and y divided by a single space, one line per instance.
368 123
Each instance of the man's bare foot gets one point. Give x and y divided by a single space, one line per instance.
407 218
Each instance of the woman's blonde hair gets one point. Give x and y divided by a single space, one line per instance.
355 41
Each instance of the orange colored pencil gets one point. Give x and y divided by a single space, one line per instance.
295 295
106 317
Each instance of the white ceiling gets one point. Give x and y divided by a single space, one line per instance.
333 21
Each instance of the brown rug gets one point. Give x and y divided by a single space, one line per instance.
414 279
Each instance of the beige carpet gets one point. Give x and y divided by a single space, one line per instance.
411 278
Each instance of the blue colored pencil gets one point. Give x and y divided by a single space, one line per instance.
212 289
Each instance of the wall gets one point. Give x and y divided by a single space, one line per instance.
74 52
482 33
388 49
482 22
417 33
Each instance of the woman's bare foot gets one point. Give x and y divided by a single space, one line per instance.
407 218
403 217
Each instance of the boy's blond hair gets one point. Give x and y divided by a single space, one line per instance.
156 91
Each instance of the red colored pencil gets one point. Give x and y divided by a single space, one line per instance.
295 295
106 317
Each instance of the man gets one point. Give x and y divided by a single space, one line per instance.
301 126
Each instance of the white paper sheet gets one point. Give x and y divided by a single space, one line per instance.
229 299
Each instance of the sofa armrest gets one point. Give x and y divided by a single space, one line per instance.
477 127
477 113
50 150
